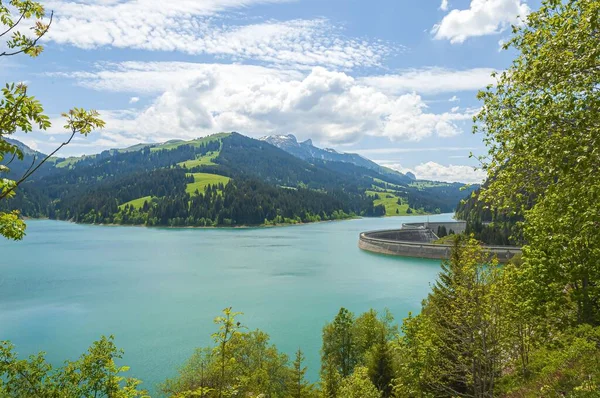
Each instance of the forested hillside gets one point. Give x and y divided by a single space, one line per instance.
220 180
488 225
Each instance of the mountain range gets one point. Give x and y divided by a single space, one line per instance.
307 151
225 179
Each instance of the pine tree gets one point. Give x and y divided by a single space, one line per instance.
330 379
465 311
301 388
381 367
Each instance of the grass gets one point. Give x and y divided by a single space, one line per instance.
68 162
389 184
196 142
137 203
202 180
390 201
133 148
206 160
446 240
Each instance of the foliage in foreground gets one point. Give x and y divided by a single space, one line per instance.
94 374
541 124
20 111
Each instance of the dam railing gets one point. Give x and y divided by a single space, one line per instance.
404 242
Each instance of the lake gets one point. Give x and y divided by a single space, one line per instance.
158 290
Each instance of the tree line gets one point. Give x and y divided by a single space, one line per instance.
239 202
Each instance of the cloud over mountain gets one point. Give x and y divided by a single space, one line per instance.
332 107
436 172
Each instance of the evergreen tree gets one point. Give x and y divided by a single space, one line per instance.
330 378
380 364
301 388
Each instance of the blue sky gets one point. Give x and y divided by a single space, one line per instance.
394 80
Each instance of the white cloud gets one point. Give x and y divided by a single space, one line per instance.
133 100
383 151
432 80
444 5
195 27
331 107
158 77
484 17
436 172
458 157
454 98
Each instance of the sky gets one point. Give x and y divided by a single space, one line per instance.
393 80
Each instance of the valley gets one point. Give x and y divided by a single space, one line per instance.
222 180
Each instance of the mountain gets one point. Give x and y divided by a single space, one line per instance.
31 158
220 180
307 151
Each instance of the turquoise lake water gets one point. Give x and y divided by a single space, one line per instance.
158 290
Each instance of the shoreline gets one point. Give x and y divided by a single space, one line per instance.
262 226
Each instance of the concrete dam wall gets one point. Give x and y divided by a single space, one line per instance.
414 240
458 227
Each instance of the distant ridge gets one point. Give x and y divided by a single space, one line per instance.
305 150
224 179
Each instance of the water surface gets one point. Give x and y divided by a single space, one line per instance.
157 290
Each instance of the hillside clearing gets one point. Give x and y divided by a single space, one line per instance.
195 143
202 180
390 201
137 203
206 160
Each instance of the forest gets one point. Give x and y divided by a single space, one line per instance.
268 186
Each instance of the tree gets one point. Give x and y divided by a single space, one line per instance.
455 347
370 329
198 377
94 374
358 385
541 123
259 367
251 367
229 328
350 342
301 388
21 112
466 303
417 353
339 346
441 231
330 378
380 365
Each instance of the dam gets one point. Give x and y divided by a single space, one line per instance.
416 240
